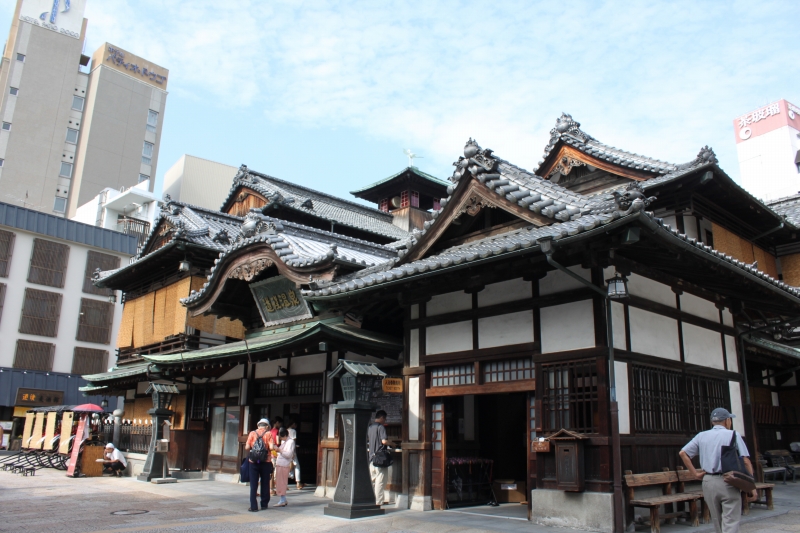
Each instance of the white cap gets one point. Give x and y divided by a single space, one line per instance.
263 422
109 445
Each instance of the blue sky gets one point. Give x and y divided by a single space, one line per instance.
328 94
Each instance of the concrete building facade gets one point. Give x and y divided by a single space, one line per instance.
198 181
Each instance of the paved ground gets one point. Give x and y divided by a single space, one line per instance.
51 502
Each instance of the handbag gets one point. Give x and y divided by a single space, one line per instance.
244 472
382 459
733 468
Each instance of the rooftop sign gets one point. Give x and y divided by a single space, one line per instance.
116 58
766 119
61 16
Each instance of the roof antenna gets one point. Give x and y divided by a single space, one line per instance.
411 156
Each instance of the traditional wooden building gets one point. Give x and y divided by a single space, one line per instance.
606 300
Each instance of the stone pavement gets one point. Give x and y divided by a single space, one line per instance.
51 502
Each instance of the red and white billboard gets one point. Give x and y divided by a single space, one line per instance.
766 119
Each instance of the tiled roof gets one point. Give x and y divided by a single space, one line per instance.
788 207
415 170
290 196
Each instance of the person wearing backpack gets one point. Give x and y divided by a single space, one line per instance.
259 447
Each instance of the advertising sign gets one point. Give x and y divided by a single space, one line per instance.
766 119
38 397
61 16
279 301
394 385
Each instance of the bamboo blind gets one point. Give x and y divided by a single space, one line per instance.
89 361
48 263
96 260
160 328
2 298
32 355
140 408
125 335
6 249
212 324
733 245
152 317
41 311
94 322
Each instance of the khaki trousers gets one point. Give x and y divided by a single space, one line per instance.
724 503
378 482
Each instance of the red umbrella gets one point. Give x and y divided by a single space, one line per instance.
88 408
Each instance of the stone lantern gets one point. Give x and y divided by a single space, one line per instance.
354 496
162 399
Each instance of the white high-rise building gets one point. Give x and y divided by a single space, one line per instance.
768 145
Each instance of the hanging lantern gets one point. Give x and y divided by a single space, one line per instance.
617 287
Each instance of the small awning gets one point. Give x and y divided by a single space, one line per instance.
281 340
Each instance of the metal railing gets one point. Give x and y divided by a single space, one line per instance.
134 226
135 438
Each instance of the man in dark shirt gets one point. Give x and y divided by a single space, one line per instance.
377 442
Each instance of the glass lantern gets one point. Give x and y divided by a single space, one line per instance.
617 287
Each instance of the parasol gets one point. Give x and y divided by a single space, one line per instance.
88 408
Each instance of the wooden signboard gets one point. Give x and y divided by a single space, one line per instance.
393 385
89 465
66 433
76 449
28 430
389 402
49 432
38 429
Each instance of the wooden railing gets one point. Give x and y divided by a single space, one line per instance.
173 344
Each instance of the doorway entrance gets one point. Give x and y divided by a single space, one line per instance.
480 453
223 450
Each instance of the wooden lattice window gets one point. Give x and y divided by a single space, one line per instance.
570 396
198 409
510 370
447 376
404 201
272 389
32 355
657 400
305 387
6 249
2 298
414 199
384 205
87 361
95 260
41 311
94 323
48 263
703 395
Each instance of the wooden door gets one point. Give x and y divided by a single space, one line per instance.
223 450
438 456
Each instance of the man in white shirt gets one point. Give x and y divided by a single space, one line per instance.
114 460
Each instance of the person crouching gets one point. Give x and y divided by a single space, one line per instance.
114 461
284 463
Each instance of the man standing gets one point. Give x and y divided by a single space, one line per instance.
378 442
723 500
260 469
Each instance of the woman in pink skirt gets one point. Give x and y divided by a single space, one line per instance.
282 466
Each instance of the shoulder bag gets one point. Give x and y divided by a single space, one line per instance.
735 473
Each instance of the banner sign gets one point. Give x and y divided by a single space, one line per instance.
39 397
279 301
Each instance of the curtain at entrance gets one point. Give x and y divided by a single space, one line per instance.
217 430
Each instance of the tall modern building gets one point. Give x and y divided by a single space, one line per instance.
69 132
768 145
198 181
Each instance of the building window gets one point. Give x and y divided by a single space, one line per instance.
2 298
2 161
94 323
709 238
570 396
41 311
95 260
32 355
48 263
147 153
414 199
404 201
6 249
271 389
447 376
152 121
87 361
436 205
384 205
307 387
66 170
512 370
7 126
72 138
143 177
14 91
198 408
21 57
703 395
77 103
59 205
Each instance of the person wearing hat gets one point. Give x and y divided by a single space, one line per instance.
723 500
260 469
114 460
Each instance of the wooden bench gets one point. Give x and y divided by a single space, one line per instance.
666 480
771 471
684 476
783 459
762 488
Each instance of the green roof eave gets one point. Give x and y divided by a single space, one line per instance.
773 346
415 170
117 373
283 338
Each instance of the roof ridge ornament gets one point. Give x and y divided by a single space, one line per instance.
475 160
705 156
565 124
632 200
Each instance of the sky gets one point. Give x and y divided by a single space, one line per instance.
329 94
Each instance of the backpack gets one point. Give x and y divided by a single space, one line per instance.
258 452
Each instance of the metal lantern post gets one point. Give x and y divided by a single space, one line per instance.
156 459
354 496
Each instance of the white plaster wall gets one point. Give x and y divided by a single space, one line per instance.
505 291
556 281
414 311
727 317
736 406
670 221
702 346
690 226
623 401
268 369
651 290
455 337
567 327
730 353
699 307
237 372
618 321
308 364
413 408
71 295
331 421
653 334
414 348
448 303
502 330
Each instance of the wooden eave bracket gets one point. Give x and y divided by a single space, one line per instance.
569 151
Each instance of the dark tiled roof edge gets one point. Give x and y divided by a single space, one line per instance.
413 169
